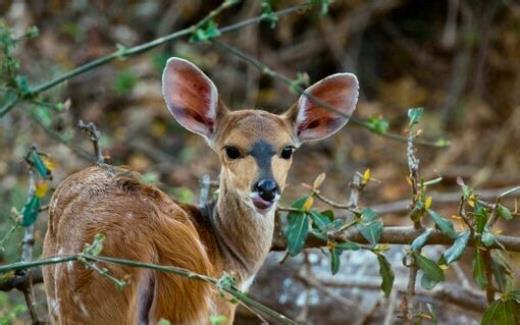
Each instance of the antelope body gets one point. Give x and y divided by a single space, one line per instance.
142 223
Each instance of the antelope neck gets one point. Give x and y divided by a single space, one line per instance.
243 236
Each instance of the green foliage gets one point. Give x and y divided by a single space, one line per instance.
479 269
206 32
456 250
503 212
433 274
369 227
125 82
30 210
502 312
444 225
414 115
421 240
267 13
298 228
377 125
387 274
481 217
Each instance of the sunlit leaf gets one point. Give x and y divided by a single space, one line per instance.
371 231
503 212
217 319
307 205
444 225
456 250
421 240
96 246
487 238
318 181
368 215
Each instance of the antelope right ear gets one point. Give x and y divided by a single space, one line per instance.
191 97
311 120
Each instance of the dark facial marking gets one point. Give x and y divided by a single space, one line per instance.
263 151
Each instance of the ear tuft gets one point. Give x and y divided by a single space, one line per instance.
313 121
190 96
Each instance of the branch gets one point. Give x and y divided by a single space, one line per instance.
399 235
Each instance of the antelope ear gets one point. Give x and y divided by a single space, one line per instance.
191 96
311 121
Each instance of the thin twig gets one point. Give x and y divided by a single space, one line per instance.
91 129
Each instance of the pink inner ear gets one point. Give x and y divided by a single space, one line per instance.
314 122
191 96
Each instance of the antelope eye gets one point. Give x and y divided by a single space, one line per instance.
232 152
287 152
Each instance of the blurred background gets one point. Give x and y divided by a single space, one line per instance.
459 59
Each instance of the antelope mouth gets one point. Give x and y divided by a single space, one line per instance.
262 205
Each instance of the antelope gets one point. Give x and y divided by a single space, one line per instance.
140 222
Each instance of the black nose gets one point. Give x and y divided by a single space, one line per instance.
267 189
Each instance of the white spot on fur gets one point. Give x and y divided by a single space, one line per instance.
247 283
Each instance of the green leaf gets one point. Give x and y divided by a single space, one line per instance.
504 212
320 220
335 262
456 250
347 246
163 321
39 165
444 225
415 114
502 312
368 215
387 274
371 231
268 15
427 283
515 295
421 240
377 125
429 267
30 210
481 217
487 238
206 32
297 231
479 269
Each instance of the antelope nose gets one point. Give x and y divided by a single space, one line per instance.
267 189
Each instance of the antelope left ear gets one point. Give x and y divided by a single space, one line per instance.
311 121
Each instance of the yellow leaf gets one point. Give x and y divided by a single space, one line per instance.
41 189
331 244
428 202
308 204
366 176
49 163
472 200
318 181
443 267
456 217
